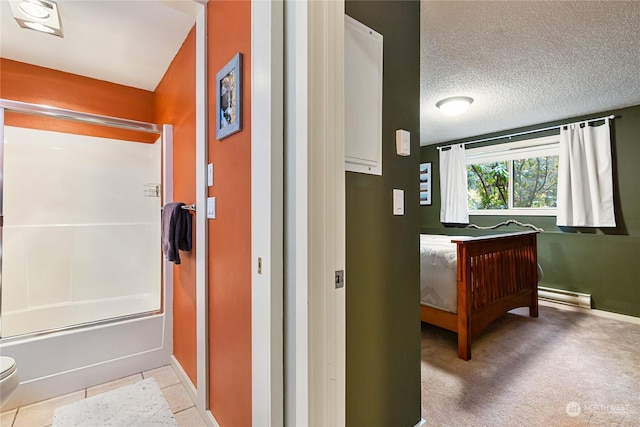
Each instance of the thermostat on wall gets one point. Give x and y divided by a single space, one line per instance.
403 142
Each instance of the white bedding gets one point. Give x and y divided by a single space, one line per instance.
438 265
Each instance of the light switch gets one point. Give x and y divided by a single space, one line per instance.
403 142
210 175
211 207
398 202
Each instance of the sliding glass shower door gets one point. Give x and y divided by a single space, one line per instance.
81 229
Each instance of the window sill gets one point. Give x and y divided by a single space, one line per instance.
514 212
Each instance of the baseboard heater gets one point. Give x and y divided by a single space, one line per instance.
564 297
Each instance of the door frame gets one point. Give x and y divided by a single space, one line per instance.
267 222
298 213
315 318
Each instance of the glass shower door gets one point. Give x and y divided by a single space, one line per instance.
81 232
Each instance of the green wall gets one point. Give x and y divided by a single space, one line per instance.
383 316
602 262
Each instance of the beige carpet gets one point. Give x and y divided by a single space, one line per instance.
562 369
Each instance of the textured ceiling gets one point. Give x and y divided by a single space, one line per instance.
126 42
525 62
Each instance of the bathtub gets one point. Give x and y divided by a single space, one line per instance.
85 219
59 362
56 316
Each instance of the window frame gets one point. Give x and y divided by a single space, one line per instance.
530 148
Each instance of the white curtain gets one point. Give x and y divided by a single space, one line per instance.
453 186
585 183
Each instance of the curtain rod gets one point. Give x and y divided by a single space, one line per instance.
525 132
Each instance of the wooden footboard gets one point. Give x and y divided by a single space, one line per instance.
495 274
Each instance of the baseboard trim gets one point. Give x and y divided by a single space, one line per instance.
421 423
205 413
594 312
184 378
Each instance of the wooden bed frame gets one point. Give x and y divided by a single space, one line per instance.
495 274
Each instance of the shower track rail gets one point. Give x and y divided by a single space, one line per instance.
78 116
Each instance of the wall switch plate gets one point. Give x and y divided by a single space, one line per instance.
398 202
403 142
211 207
210 175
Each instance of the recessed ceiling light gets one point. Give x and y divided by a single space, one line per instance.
39 27
454 105
39 15
34 10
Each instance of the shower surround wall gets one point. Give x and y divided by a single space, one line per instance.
80 237
61 362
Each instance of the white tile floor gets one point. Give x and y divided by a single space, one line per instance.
41 414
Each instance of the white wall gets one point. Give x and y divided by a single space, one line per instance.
77 226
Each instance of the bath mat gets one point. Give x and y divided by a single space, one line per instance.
141 404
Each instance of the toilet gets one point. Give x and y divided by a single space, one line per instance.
8 378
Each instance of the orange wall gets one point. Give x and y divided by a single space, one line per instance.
229 32
38 85
175 103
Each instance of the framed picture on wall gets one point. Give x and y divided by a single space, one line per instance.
425 184
229 98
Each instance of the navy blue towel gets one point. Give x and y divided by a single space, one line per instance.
176 231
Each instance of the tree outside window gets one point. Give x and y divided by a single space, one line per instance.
511 184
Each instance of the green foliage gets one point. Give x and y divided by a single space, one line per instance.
488 185
535 182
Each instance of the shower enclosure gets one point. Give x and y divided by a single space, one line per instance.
81 232
81 262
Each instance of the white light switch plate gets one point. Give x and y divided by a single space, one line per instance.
211 207
210 175
398 202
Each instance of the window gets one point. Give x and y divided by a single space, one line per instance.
518 178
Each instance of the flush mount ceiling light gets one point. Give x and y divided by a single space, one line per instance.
454 105
39 15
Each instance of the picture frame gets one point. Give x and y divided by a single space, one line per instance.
229 98
425 184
